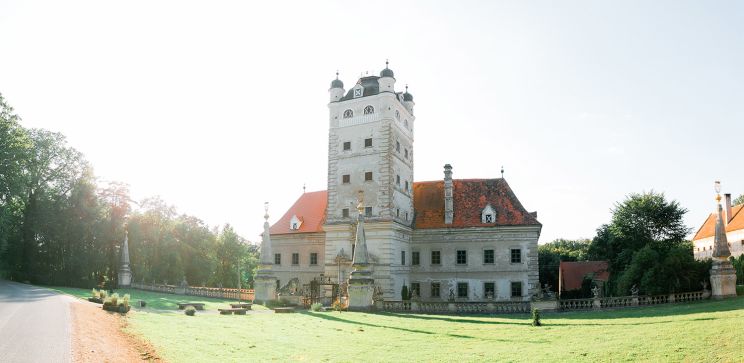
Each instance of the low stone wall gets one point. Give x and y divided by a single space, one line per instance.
507 307
214 292
445 307
630 301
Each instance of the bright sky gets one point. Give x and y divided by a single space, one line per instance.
218 107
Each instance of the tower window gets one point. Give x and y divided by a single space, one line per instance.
488 256
348 114
369 110
462 257
406 154
367 142
397 146
403 258
406 185
516 255
368 211
434 289
347 145
397 179
345 212
405 122
462 290
346 179
406 215
516 289
368 176
397 212
397 115
436 257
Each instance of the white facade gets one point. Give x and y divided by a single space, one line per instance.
370 156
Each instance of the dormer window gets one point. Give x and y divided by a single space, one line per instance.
348 114
488 215
369 110
295 223
358 91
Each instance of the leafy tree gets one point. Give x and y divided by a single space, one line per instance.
645 246
738 200
551 254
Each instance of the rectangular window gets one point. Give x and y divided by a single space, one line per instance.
487 256
313 258
406 153
368 211
346 179
434 289
462 290
345 212
397 212
403 258
436 257
516 255
397 179
516 289
295 258
367 142
277 258
406 185
368 176
415 258
489 290
415 289
462 257
406 215
347 145
397 146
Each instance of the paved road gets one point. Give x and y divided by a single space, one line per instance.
34 324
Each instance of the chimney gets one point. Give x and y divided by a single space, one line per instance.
449 209
727 196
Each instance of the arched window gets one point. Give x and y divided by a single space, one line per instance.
348 114
369 110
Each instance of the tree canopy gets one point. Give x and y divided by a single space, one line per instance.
59 226
645 244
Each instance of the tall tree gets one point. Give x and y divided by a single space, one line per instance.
739 200
551 254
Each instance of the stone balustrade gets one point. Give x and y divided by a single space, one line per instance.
443 307
213 292
630 301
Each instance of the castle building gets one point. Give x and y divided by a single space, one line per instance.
467 239
733 222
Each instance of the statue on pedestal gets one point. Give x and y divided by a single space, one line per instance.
361 285
722 273
265 281
125 271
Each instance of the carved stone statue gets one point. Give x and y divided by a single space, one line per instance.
452 295
634 290
595 291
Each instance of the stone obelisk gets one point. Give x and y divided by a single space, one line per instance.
361 285
722 273
125 271
265 281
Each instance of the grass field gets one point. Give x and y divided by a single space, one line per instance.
155 300
706 331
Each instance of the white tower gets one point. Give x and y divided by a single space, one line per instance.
370 150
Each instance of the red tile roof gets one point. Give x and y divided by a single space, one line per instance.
470 197
708 229
572 273
310 209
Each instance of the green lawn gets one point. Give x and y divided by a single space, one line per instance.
155 300
707 331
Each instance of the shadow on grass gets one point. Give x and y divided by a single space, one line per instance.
462 320
708 306
460 336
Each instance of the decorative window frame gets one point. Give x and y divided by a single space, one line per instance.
348 113
369 110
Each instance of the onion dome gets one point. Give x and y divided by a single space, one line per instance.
387 72
407 96
336 83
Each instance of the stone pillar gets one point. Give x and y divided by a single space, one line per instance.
722 273
264 285
125 272
361 285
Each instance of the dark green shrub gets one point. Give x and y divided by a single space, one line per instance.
316 306
536 317
190 310
404 293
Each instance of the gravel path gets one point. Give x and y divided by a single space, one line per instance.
34 324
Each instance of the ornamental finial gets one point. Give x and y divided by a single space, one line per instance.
266 211
386 64
337 74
